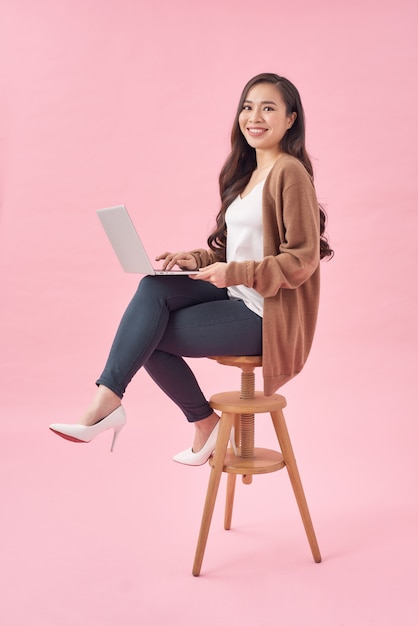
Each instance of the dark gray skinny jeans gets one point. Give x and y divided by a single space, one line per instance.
171 317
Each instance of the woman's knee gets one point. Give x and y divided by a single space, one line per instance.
149 285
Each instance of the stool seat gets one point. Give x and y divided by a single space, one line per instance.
239 361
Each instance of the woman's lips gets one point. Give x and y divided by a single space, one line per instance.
256 132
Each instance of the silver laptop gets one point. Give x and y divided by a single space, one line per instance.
127 244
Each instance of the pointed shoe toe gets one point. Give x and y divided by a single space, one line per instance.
188 457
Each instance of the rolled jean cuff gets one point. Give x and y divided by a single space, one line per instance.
108 385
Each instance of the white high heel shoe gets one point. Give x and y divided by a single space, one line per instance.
84 434
188 457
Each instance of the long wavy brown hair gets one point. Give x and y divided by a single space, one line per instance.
241 162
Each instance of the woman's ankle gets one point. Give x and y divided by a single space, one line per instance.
104 403
203 430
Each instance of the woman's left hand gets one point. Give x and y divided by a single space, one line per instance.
215 274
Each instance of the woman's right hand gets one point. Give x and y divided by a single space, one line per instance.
184 260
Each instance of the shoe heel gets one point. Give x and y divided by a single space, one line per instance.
116 432
115 436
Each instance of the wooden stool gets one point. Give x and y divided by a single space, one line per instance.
238 409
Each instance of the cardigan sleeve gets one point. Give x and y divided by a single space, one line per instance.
290 233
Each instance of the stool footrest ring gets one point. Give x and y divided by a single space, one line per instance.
264 461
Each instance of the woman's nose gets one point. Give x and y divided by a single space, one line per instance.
256 114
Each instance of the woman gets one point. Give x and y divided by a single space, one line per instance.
257 288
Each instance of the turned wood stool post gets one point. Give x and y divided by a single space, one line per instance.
238 409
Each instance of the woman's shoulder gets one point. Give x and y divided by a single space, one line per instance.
288 168
288 164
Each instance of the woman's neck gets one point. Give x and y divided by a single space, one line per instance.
260 173
266 160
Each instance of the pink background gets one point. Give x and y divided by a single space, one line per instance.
104 102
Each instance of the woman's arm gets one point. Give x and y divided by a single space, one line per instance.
291 234
193 260
184 260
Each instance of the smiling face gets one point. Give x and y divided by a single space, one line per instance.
264 120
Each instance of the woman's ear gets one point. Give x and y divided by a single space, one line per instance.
291 119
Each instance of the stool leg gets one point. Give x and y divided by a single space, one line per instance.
289 458
232 479
213 486
230 492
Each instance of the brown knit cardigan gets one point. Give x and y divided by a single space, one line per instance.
288 275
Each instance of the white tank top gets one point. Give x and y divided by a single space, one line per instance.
244 242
